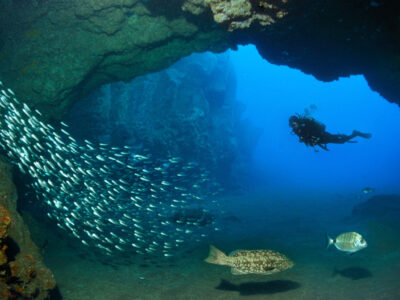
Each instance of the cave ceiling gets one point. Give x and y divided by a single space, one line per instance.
53 53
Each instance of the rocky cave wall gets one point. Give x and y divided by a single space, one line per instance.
55 52
59 51
188 110
23 275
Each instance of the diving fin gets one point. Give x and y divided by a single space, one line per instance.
361 134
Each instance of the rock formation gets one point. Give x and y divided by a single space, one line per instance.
23 274
379 217
383 207
55 52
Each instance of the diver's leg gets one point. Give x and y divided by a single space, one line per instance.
335 138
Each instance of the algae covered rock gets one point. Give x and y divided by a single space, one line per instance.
23 274
5 221
242 14
57 52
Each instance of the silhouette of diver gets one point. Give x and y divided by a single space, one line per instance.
313 133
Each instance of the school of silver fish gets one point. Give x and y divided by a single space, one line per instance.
107 197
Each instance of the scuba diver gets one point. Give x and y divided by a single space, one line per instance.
313 133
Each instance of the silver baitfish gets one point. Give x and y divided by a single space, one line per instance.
108 197
349 242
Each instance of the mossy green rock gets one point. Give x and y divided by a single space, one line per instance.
55 52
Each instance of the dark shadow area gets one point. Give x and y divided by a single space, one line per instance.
259 288
354 273
12 248
55 294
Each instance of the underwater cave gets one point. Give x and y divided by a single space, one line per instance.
138 137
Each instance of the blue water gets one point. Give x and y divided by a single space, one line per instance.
273 93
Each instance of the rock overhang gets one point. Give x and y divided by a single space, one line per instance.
55 53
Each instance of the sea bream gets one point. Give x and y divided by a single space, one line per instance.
349 242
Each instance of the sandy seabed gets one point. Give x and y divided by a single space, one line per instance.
259 222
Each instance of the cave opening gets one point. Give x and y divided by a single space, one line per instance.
273 93
230 112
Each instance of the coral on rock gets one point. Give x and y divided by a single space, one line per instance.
4 222
195 7
241 14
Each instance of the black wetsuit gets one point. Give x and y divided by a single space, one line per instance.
313 133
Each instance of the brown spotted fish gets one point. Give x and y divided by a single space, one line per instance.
262 262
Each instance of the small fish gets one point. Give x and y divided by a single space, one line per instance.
262 262
87 187
349 242
367 190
